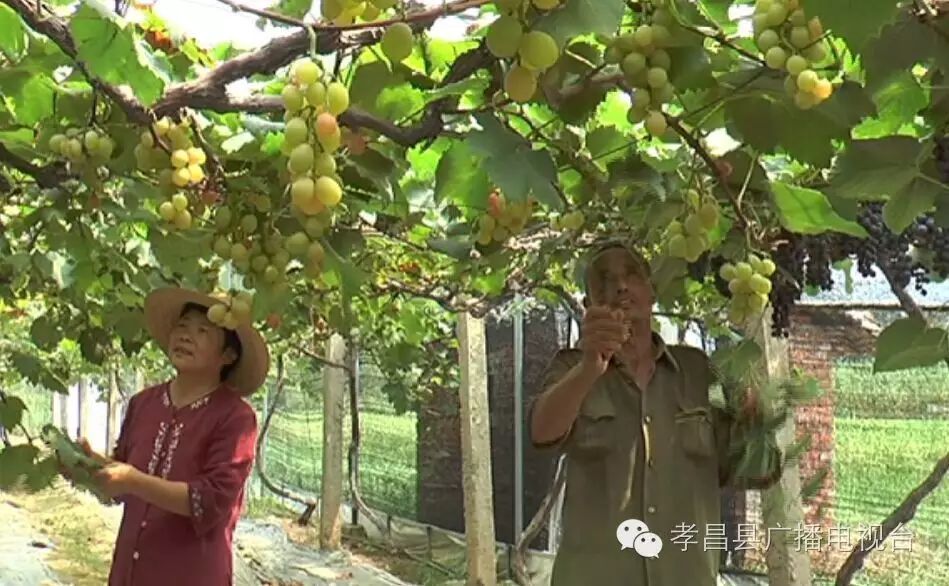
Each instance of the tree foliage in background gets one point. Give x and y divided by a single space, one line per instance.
371 178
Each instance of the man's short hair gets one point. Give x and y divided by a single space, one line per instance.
231 339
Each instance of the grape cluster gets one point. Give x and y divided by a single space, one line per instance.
78 147
645 64
183 167
941 154
231 311
502 219
689 239
176 212
570 221
311 136
749 284
536 51
790 42
345 12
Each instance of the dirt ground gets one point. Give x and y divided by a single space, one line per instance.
64 537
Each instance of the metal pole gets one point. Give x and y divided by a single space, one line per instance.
518 417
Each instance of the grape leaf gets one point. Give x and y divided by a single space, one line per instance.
806 211
898 101
13 41
459 247
607 144
511 162
15 463
460 179
691 68
910 202
44 333
109 50
899 47
42 474
854 21
11 412
771 121
94 344
582 17
293 8
876 168
908 343
34 370
237 142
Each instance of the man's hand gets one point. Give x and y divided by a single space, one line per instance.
602 334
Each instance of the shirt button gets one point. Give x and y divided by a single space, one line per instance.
144 523
648 419
135 555
650 510
651 462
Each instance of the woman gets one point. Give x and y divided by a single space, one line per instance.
186 449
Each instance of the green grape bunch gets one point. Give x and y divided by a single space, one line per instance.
791 42
312 136
80 147
183 167
689 239
535 51
749 283
642 57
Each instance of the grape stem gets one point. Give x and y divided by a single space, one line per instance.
716 170
720 38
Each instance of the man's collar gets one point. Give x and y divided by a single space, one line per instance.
662 351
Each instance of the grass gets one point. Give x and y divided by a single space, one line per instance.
877 463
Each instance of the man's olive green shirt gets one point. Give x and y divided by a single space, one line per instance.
656 456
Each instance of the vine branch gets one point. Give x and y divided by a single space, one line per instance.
46 176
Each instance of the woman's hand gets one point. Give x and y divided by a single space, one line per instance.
116 478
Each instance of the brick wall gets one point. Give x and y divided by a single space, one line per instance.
820 337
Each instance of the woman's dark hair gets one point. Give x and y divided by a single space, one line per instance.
231 340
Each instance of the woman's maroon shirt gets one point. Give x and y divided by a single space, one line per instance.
208 444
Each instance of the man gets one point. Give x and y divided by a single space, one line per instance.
641 439
186 449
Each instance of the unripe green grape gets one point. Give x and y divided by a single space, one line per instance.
179 201
292 98
693 225
694 247
337 98
660 59
222 218
708 214
768 39
760 284
656 123
636 115
167 211
249 224
663 95
727 272
805 100
295 132
613 55
678 246
800 37
776 58
182 220
222 247
656 78
767 267
790 85
798 18
324 164
305 71
538 50
743 271
807 81
281 259
815 53
641 98
662 17
763 6
633 64
271 274
259 263
520 84
796 64
301 159
316 94
777 14
504 37
756 303
643 35
397 42
298 243
759 22
239 252
91 141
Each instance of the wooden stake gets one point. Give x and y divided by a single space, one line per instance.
334 385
